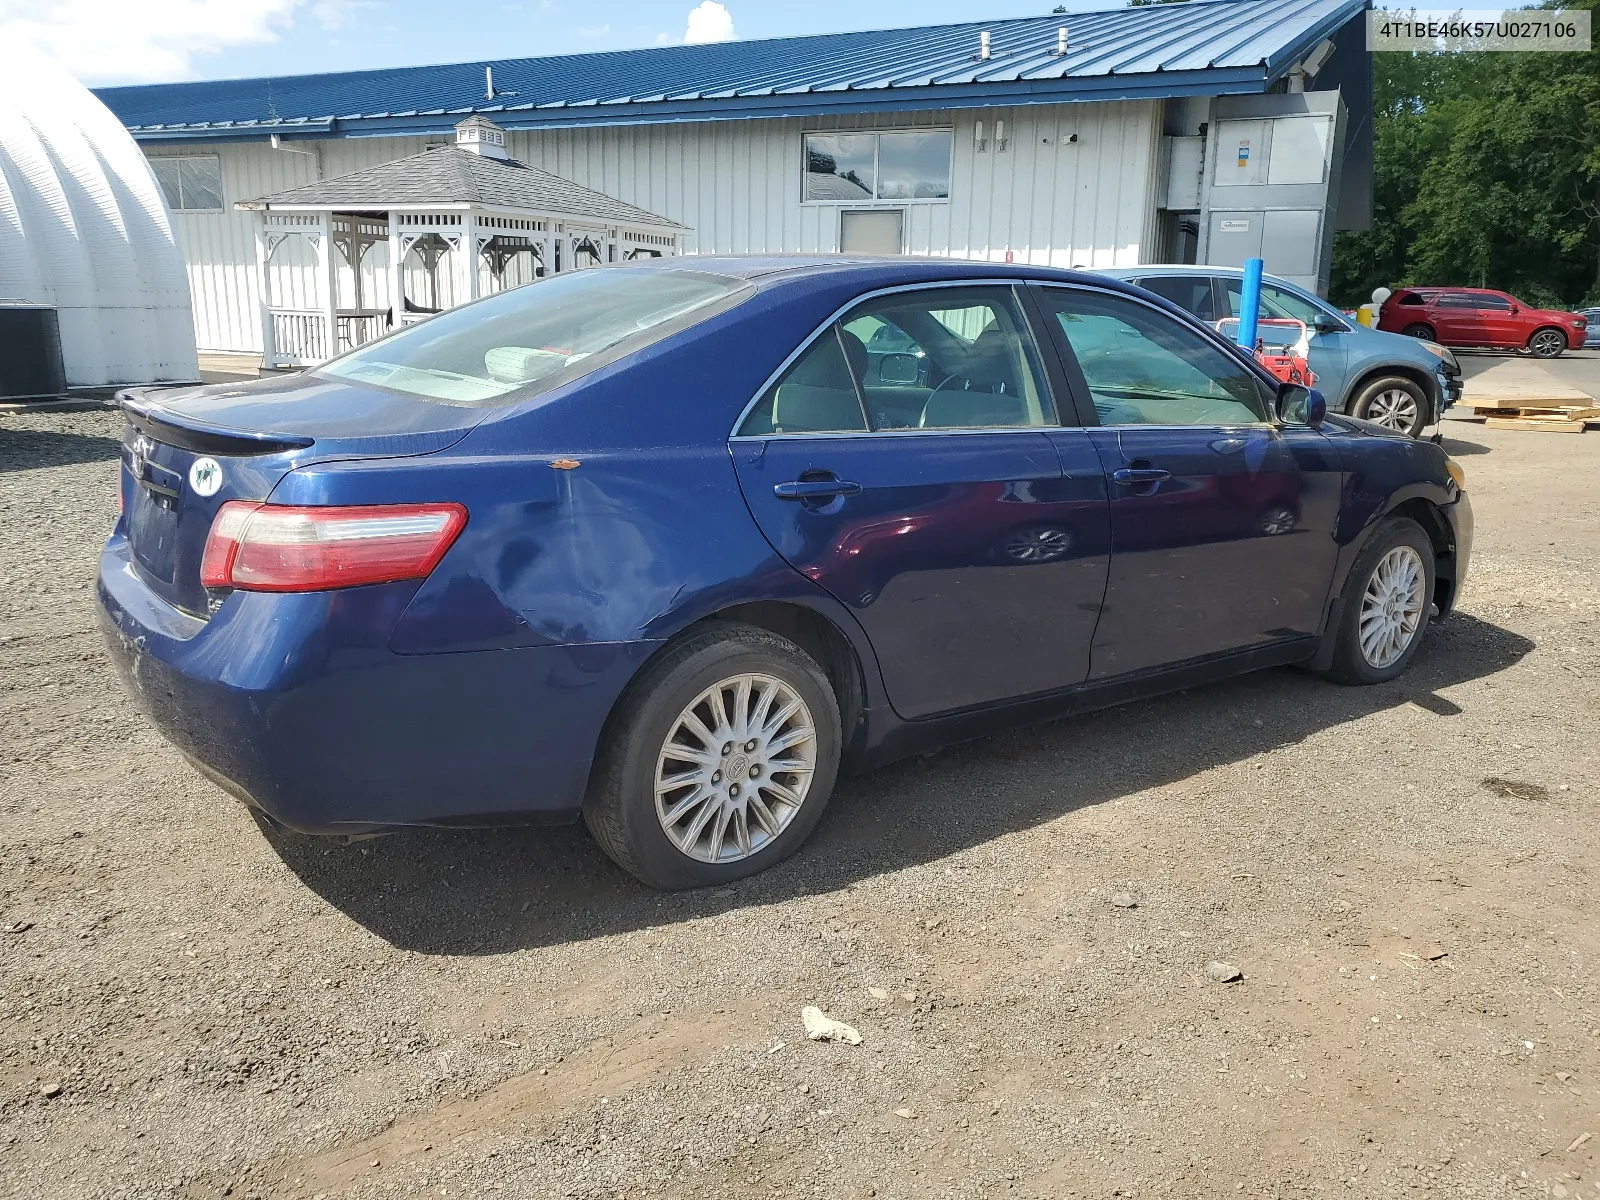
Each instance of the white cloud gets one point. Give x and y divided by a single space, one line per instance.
139 41
594 31
709 22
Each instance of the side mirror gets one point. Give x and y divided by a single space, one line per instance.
899 368
1516 308
1300 405
1326 324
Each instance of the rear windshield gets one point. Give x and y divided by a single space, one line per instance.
549 331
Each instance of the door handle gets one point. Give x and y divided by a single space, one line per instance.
1140 476
815 489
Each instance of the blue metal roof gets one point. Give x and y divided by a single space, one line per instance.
1205 47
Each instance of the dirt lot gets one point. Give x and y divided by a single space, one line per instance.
1404 874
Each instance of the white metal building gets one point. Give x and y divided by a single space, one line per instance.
1041 140
84 233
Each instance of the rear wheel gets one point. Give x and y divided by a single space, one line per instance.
718 762
1548 342
1394 402
1386 603
1418 330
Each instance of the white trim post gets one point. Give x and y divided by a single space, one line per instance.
327 271
397 272
469 244
269 351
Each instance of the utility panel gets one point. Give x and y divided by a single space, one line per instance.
1273 183
1183 166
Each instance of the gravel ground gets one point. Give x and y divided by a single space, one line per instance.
1019 927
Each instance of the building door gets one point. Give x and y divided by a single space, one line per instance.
874 231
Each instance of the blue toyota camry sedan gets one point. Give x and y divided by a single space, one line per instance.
668 545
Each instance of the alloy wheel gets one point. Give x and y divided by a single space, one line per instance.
735 768
1391 607
1393 408
1548 343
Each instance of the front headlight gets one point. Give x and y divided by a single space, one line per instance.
1456 473
1442 351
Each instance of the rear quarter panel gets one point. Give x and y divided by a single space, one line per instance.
607 511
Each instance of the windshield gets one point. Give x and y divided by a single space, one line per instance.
486 350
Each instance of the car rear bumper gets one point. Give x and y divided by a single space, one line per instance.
295 704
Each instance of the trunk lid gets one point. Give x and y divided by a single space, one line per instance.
253 435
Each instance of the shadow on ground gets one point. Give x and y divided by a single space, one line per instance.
489 892
28 449
1457 447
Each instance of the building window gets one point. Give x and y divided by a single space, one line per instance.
848 168
191 184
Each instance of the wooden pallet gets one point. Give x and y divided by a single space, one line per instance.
1546 418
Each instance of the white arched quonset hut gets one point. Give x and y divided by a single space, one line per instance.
84 230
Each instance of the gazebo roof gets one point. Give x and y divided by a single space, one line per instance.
453 176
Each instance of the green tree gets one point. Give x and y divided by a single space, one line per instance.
1486 173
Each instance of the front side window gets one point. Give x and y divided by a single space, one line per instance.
191 183
1456 300
1142 368
542 333
896 165
1493 303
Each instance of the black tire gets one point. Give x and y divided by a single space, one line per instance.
620 807
1547 342
1376 401
1418 330
1350 665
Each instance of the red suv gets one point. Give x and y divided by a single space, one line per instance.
1479 317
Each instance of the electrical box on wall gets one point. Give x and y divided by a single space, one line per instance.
1273 184
1183 163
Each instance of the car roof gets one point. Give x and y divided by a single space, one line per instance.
872 271
1190 269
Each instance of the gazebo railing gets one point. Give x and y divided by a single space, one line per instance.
361 326
299 337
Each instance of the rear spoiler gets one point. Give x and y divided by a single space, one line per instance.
175 429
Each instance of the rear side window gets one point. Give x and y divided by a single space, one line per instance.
1191 293
928 358
815 395
947 358
1414 298
545 333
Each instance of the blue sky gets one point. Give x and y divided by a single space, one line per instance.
145 41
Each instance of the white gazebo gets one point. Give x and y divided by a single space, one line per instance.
401 241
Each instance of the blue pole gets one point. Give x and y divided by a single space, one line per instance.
1250 302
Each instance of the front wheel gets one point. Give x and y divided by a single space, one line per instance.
1386 603
1547 343
718 762
1394 402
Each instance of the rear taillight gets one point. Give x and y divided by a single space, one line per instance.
283 548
